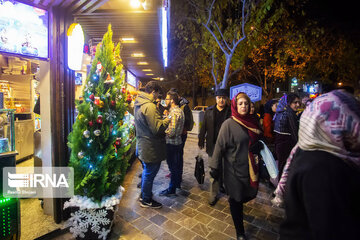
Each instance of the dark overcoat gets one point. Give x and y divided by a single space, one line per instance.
231 151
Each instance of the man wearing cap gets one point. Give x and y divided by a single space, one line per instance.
214 116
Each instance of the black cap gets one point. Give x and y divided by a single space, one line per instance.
222 92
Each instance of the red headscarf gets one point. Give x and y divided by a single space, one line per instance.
252 125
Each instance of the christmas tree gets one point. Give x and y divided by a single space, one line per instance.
102 133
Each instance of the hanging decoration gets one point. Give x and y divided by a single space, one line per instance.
86 133
99 119
97 132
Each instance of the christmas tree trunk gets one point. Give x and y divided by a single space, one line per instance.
101 137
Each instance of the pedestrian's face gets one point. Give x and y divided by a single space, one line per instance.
252 108
242 106
294 105
274 107
221 101
168 101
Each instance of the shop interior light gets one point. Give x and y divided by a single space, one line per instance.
138 55
147 70
135 3
128 40
142 63
76 41
149 74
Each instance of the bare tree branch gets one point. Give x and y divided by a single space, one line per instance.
222 36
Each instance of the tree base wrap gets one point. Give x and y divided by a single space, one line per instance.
89 224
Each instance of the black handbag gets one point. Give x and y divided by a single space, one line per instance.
199 172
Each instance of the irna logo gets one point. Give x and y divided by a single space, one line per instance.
33 180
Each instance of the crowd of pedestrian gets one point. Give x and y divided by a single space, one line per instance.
317 152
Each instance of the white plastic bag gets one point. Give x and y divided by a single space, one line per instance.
269 161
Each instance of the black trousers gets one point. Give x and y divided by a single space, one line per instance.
236 210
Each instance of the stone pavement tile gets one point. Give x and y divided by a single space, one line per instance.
258 213
266 235
189 212
195 197
184 234
124 230
197 237
249 218
246 208
218 215
201 229
219 206
274 219
141 223
218 225
202 218
196 190
206 209
218 236
250 229
147 212
264 224
127 214
192 204
158 219
171 226
230 231
226 210
153 231
166 236
177 206
187 222
229 220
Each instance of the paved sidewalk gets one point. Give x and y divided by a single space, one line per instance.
188 216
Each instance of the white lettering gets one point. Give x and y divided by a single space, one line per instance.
62 181
39 178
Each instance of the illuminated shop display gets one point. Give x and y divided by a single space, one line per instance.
76 41
131 79
23 29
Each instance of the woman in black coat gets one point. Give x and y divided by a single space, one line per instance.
237 135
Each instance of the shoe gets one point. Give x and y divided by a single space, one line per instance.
241 237
140 198
167 193
152 204
168 175
138 185
213 202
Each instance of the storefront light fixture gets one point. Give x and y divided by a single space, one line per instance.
147 70
138 55
149 74
76 41
138 3
128 40
142 63
164 32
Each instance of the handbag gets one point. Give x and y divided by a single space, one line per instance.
199 172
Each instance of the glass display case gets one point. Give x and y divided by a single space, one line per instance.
7 131
9 207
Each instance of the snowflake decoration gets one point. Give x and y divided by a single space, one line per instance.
116 177
91 108
110 115
81 220
88 86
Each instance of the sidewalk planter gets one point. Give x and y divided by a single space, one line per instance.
90 220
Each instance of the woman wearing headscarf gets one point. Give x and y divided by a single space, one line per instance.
286 126
322 174
235 150
268 123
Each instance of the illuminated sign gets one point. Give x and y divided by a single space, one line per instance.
164 31
131 79
254 92
75 46
23 29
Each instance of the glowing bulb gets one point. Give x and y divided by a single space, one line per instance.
135 3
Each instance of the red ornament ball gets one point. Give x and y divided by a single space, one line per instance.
118 142
91 123
123 90
113 103
92 97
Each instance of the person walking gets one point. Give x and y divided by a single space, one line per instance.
174 143
322 174
150 139
236 151
214 116
286 126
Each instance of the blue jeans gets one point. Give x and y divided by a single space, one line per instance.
174 161
149 173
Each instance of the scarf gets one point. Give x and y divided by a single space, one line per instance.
331 123
252 125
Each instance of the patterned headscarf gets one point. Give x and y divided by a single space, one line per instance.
331 123
281 105
252 124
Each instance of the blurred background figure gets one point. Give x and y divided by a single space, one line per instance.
268 123
286 126
322 187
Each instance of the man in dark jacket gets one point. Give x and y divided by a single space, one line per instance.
214 116
150 140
